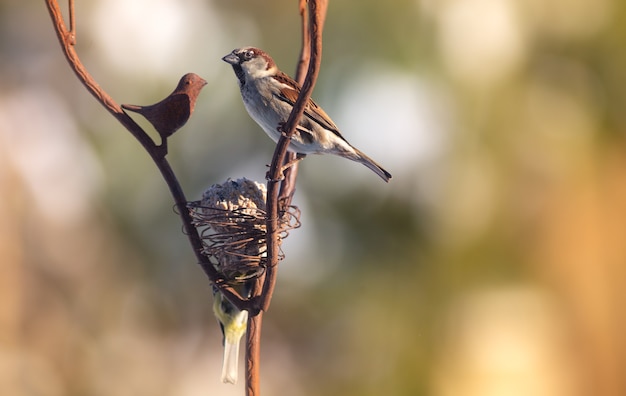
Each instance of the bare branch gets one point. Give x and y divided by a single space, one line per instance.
67 39
280 198
72 32
253 354
288 186
317 12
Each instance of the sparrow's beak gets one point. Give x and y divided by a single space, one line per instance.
231 58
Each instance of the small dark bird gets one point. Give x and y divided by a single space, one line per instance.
170 114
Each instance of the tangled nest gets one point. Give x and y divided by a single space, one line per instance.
231 221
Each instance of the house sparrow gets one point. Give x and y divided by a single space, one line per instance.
170 114
269 95
233 323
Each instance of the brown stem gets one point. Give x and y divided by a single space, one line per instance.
279 198
67 39
317 12
288 186
305 52
253 354
72 32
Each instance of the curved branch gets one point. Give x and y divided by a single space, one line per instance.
317 13
278 199
288 186
67 39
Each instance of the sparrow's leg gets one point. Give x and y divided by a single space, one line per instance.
299 157
281 129
301 132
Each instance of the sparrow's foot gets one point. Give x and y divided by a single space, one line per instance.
281 129
268 177
299 157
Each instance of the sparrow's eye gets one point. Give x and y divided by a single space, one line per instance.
248 55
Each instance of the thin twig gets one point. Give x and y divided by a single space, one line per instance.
305 52
72 32
288 186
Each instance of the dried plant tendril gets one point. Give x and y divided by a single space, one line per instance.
231 221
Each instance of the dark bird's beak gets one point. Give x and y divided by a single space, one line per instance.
231 58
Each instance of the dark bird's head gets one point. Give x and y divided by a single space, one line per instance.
191 84
171 113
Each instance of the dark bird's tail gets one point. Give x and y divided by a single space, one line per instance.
135 108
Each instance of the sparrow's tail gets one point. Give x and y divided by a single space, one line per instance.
370 163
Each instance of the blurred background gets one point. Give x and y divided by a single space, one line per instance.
493 263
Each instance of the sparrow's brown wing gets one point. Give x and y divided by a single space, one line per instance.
312 111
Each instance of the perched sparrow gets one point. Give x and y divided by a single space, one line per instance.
269 95
170 114
233 324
